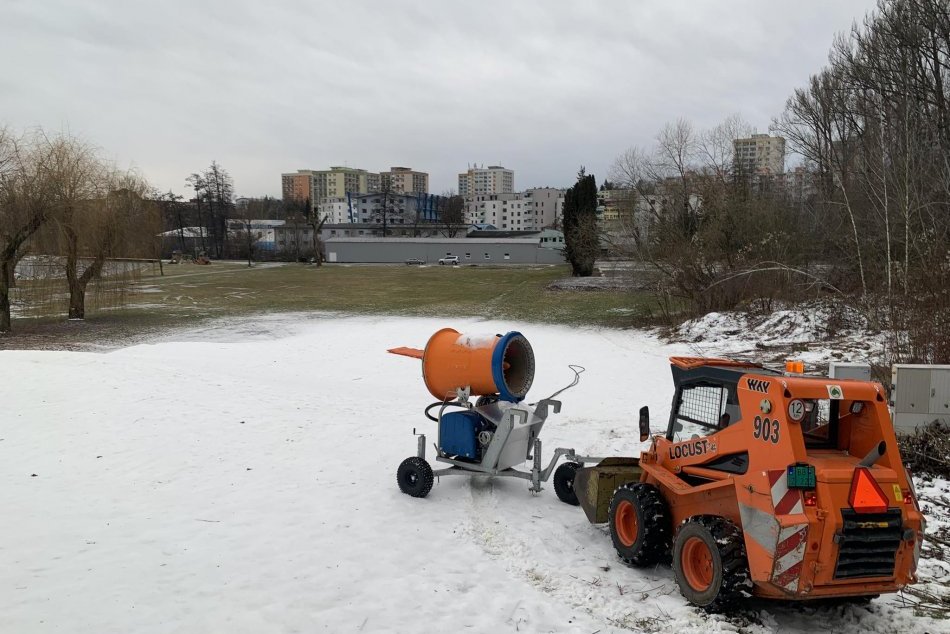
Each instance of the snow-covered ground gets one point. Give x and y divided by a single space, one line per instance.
815 332
242 479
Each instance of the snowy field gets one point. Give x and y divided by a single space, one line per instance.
242 479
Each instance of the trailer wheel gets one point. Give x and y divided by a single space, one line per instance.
414 477
639 524
709 563
564 482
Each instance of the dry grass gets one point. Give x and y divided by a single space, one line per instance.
188 294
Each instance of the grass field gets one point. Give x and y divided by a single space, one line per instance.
188 294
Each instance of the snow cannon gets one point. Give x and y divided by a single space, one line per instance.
496 433
484 365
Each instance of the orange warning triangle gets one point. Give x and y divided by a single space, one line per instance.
866 496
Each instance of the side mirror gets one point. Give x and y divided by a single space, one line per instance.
644 423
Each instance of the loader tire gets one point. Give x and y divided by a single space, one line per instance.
639 524
709 563
564 483
414 477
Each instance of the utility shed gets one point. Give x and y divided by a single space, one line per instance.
468 250
920 394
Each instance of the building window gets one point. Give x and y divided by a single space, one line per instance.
468 256
507 256
487 257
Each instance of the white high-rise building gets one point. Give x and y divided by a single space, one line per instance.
545 204
335 210
484 181
506 212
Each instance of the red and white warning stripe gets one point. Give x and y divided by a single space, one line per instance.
785 501
789 557
790 549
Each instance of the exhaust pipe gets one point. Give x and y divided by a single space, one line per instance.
873 455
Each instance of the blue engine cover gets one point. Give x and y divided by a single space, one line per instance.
458 434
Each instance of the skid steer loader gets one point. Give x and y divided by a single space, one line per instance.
775 485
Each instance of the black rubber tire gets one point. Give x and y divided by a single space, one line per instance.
730 568
414 477
441 263
564 482
654 533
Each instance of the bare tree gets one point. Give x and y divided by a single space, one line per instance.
24 205
214 192
77 179
451 210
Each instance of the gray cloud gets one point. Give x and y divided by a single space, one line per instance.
264 88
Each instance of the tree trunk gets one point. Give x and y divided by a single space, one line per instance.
181 231
77 299
6 274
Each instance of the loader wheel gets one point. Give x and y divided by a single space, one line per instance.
564 482
639 524
414 477
709 563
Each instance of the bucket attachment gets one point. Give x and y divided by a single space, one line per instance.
595 486
486 365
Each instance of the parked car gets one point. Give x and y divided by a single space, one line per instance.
415 261
450 259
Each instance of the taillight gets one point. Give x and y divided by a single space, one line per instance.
811 498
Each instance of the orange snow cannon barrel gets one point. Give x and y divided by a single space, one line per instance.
486 364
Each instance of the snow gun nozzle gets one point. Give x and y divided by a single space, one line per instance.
415 353
485 364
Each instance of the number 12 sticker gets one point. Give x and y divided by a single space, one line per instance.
796 410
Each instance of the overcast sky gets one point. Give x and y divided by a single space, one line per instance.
271 87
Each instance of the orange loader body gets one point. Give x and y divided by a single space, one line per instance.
799 475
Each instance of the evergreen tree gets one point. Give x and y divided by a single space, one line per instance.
581 237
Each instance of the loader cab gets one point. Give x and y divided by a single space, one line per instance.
706 399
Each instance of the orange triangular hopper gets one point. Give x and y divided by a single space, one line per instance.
866 496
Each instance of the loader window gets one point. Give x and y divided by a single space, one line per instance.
700 411
820 425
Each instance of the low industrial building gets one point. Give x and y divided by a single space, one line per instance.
528 250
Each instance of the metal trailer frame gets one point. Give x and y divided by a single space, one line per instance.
514 441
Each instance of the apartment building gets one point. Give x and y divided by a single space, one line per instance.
507 212
298 186
618 205
315 185
545 205
760 155
405 180
334 210
484 181
799 183
401 208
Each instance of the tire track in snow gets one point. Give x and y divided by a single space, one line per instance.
569 565
577 573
